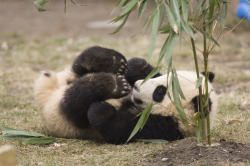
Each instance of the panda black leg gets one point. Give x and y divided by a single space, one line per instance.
138 69
88 89
98 59
117 125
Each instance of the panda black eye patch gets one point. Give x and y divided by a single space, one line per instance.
159 93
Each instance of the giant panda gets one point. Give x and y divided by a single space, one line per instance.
92 99
97 74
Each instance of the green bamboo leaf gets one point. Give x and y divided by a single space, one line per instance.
155 27
198 8
170 49
176 82
142 7
148 22
127 9
171 19
142 120
184 8
211 19
154 141
39 4
165 28
211 38
211 13
121 3
152 74
188 29
72 2
176 7
177 102
198 82
197 126
39 141
121 26
145 118
10 131
223 15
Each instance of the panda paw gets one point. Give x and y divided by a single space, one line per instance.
122 67
122 87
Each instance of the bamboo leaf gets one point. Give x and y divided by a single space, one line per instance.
10 131
170 48
198 82
211 38
165 29
211 13
171 19
197 126
39 141
39 4
198 7
176 82
152 74
121 26
127 9
184 8
145 118
121 3
223 15
211 19
142 120
142 8
188 29
154 141
177 102
155 27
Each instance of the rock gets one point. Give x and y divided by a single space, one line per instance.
164 159
7 156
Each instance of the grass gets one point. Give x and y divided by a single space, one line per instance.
22 60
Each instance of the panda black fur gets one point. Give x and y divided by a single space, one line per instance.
81 109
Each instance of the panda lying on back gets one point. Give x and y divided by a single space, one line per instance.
92 99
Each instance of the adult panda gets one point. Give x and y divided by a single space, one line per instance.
97 75
116 124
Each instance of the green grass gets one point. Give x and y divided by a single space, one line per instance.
20 66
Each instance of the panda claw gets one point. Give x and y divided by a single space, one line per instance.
122 60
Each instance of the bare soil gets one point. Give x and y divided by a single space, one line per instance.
187 152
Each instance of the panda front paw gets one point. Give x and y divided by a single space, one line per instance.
122 87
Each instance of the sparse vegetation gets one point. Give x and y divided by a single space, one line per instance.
20 65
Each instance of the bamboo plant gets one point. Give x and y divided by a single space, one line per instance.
180 19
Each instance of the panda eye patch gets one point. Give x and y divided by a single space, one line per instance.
159 93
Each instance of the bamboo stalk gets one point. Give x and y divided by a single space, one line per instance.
200 92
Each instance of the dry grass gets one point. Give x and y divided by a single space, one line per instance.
21 61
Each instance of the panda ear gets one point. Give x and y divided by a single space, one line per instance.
210 76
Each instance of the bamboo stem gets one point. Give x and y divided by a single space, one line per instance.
200 92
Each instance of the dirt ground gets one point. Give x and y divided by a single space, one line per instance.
188 152
90 18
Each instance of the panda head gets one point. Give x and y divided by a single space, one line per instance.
155 91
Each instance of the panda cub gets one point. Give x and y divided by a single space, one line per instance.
97 75
93 100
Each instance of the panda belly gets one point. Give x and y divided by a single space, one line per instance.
58 125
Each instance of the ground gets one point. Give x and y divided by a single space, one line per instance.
31 41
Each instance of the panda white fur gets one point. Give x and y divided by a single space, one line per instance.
92 100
